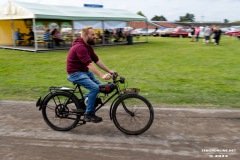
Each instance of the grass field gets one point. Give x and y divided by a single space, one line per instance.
172 72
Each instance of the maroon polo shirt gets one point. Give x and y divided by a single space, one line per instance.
80 56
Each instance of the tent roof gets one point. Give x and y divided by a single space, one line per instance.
22 10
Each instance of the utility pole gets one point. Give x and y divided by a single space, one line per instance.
11 19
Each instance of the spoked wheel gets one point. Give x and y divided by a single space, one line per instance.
132 114
58 111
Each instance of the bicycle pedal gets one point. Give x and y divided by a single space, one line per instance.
81 111
81 122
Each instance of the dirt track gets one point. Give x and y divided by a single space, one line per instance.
176 134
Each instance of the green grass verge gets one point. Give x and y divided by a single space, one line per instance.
169 71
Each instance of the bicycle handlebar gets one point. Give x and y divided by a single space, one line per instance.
115 76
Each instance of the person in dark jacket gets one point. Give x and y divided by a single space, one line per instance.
81 69
31 37
217 34
193 36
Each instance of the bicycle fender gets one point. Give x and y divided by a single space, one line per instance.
115 100
41 104
41 101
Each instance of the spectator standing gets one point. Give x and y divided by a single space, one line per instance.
217 35
212 34
207 33
197 32
193 34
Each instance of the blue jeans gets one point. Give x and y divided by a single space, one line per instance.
88 81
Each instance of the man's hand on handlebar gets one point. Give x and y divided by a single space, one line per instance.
107 76
111 74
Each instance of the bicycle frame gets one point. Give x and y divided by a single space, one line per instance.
64 103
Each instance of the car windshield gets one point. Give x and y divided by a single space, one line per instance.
144 29
176 29
233 29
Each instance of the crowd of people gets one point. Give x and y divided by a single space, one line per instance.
210 34
117 34
52 37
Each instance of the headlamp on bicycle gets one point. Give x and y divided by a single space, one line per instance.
122 80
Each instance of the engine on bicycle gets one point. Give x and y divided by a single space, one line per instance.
107 87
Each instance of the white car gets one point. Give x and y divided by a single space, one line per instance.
162 32
142 31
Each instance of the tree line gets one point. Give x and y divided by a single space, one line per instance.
186 18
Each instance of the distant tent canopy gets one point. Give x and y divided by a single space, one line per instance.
22 10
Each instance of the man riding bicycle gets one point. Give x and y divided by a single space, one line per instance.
81 69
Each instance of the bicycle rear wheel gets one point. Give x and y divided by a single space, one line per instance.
58 111
132 114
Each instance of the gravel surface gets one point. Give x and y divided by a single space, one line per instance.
176 134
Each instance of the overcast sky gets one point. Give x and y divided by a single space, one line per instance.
204 10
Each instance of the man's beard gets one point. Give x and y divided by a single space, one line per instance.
91 41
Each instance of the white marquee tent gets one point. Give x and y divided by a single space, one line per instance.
12 13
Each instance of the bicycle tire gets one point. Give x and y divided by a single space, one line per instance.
59 116
132 114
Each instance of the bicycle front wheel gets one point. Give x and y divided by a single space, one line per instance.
58 111
133 114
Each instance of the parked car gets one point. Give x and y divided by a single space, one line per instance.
142 31
224 29
178 32
233 32
126 29
135 32
162 32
